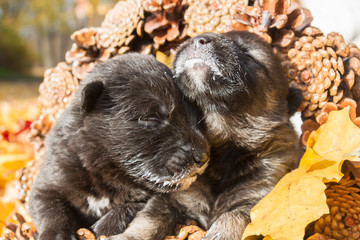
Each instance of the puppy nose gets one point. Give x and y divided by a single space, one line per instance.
200 158
201 40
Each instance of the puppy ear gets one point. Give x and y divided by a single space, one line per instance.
90 94
294 99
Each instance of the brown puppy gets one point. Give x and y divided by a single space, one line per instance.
241 94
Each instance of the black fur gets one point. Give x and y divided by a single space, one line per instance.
126 135
241 93
295 97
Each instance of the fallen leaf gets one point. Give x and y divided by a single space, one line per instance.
296 200
15 150
338 137
9 164
267 237
328 170
7 202
5 210
163 58
329 146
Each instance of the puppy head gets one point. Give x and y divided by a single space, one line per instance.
234 71
131 106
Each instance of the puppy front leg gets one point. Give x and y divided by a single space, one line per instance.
54 218
229 226
116 220
155 221
231 213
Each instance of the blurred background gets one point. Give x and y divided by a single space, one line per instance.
34 35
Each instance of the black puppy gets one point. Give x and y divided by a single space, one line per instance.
241 93
126 135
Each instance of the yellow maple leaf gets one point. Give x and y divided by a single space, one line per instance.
299 198
7 202
278 214
338 137
329 170
330 145
9 164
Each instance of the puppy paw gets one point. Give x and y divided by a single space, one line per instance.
56 236
221 236
121 237
211 237
104 229
108 227
229 226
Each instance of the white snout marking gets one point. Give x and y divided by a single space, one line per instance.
190 63
96 206
197 73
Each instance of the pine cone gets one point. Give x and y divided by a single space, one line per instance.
213 16
267 15
188 231
85 234
26 177
327 72
343 221
85 53
166 20
22 229
114 37
56 91
343 199
119 26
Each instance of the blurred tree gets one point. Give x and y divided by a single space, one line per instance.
15 54
48 24
10 10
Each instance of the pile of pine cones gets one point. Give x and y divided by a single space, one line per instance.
328 73
343 200
323 67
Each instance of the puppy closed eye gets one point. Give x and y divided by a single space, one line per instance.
254 55
237 83
150 121
153 119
